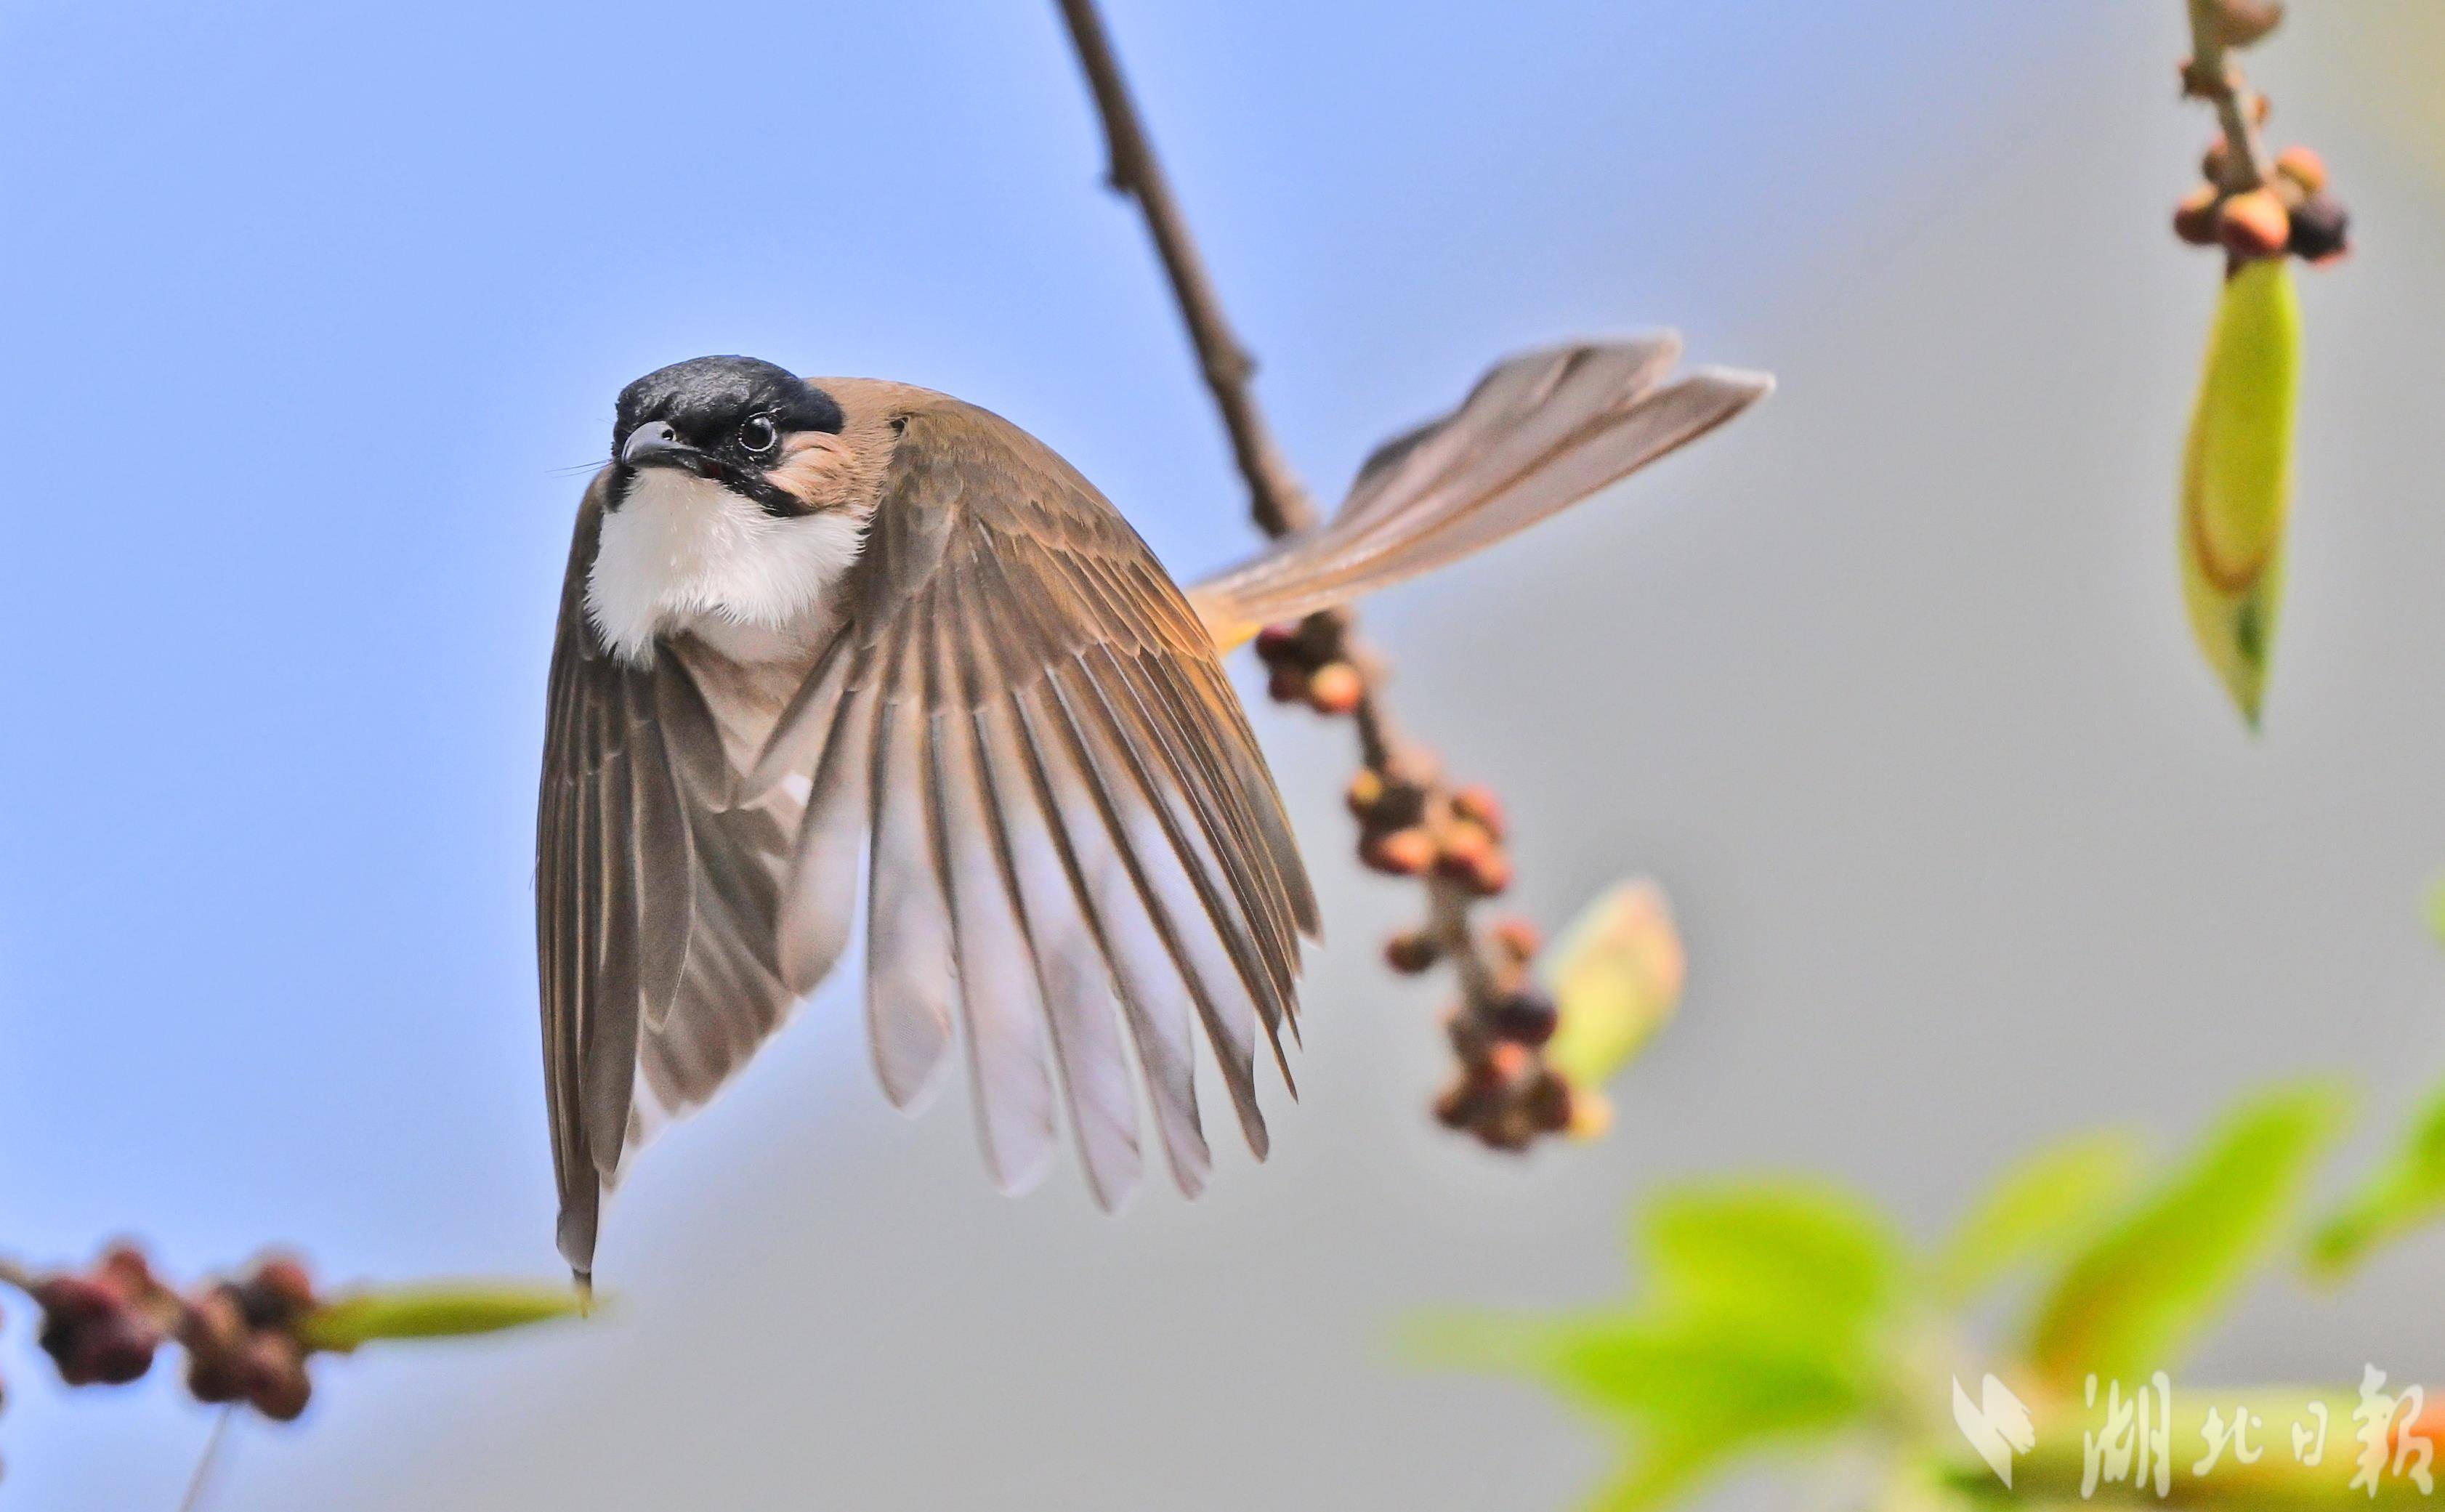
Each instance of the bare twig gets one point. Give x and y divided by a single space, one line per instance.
2212 76
1280 506
1506 1095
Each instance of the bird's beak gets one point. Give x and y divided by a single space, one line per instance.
655 444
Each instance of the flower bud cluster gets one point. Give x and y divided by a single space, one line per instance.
1308 662
102 1326
2253 210
1507 1095
1409 828
1410 824
2290 215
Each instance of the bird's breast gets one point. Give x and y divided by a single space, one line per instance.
684 555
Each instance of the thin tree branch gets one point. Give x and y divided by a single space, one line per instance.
1505 1094
2212 76
1280 506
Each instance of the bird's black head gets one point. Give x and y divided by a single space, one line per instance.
728 419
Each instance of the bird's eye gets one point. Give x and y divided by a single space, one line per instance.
760 436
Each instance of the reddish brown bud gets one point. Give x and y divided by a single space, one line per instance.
2214 161
1286 684
2194 218
214 1333
120 1352
2321 229
1411 951
1335 688
2244 22
1478 804
2302 166
1505 1129
93 1332
1460 1104
1401 852
1489 875
2254 224
212 1379
285 1277
274 1372
124 1268
1547 1103
1464 848
1366 790
274 1294
1276 643
1518 938
1451 1106
1524 1017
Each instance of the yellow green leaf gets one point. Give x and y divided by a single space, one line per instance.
2236 479
1786 1253
1616 977
2405 1193
453 1310
2039 1207
1762 1320
2131 1298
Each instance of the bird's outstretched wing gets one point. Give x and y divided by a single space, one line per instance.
1539 433
1073 846
655 897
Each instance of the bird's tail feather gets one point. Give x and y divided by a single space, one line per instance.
1539 433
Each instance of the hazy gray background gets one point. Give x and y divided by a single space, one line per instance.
1887 684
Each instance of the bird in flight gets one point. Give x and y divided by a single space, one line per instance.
820 630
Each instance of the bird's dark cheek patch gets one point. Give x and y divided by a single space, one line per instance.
770 498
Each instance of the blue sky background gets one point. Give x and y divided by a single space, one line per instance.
311 313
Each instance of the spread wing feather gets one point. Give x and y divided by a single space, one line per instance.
1073 850
655 898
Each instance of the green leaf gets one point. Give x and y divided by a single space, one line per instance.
2129 1299
2038 1209
2237 479
1700 1400
1616 977
1760 1321
1686 1391
440 1311
1780 1253
1706 1375
2399 1196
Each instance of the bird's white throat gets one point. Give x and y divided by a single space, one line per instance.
685 553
